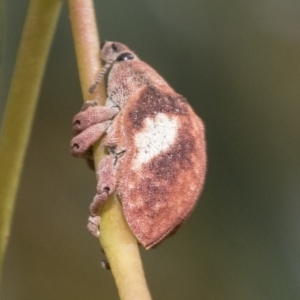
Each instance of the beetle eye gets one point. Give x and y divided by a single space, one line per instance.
125 56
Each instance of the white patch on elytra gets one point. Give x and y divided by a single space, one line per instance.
157 135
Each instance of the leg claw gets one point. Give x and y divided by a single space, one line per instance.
93 226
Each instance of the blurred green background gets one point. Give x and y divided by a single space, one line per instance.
238 64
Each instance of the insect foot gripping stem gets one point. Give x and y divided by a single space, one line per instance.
106 186
93 225
162 142
89 125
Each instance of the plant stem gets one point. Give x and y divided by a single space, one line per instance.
122 252
37 35
117 240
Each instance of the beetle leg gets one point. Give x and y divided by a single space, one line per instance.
92 115
89 103
83 141
105 187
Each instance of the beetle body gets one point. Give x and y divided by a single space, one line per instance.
157 160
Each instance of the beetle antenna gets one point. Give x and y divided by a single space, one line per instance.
101 74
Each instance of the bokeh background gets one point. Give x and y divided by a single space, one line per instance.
238 64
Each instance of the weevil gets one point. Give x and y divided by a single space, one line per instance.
156 145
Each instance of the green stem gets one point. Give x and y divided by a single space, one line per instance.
37 35
122 251
116 239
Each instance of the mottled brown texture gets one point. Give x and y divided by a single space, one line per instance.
151 101
159 196
159 191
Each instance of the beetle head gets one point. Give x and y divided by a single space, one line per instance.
111 53
114 51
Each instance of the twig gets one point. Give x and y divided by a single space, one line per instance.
117 240
37 35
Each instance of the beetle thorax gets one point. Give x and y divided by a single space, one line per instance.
127 78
